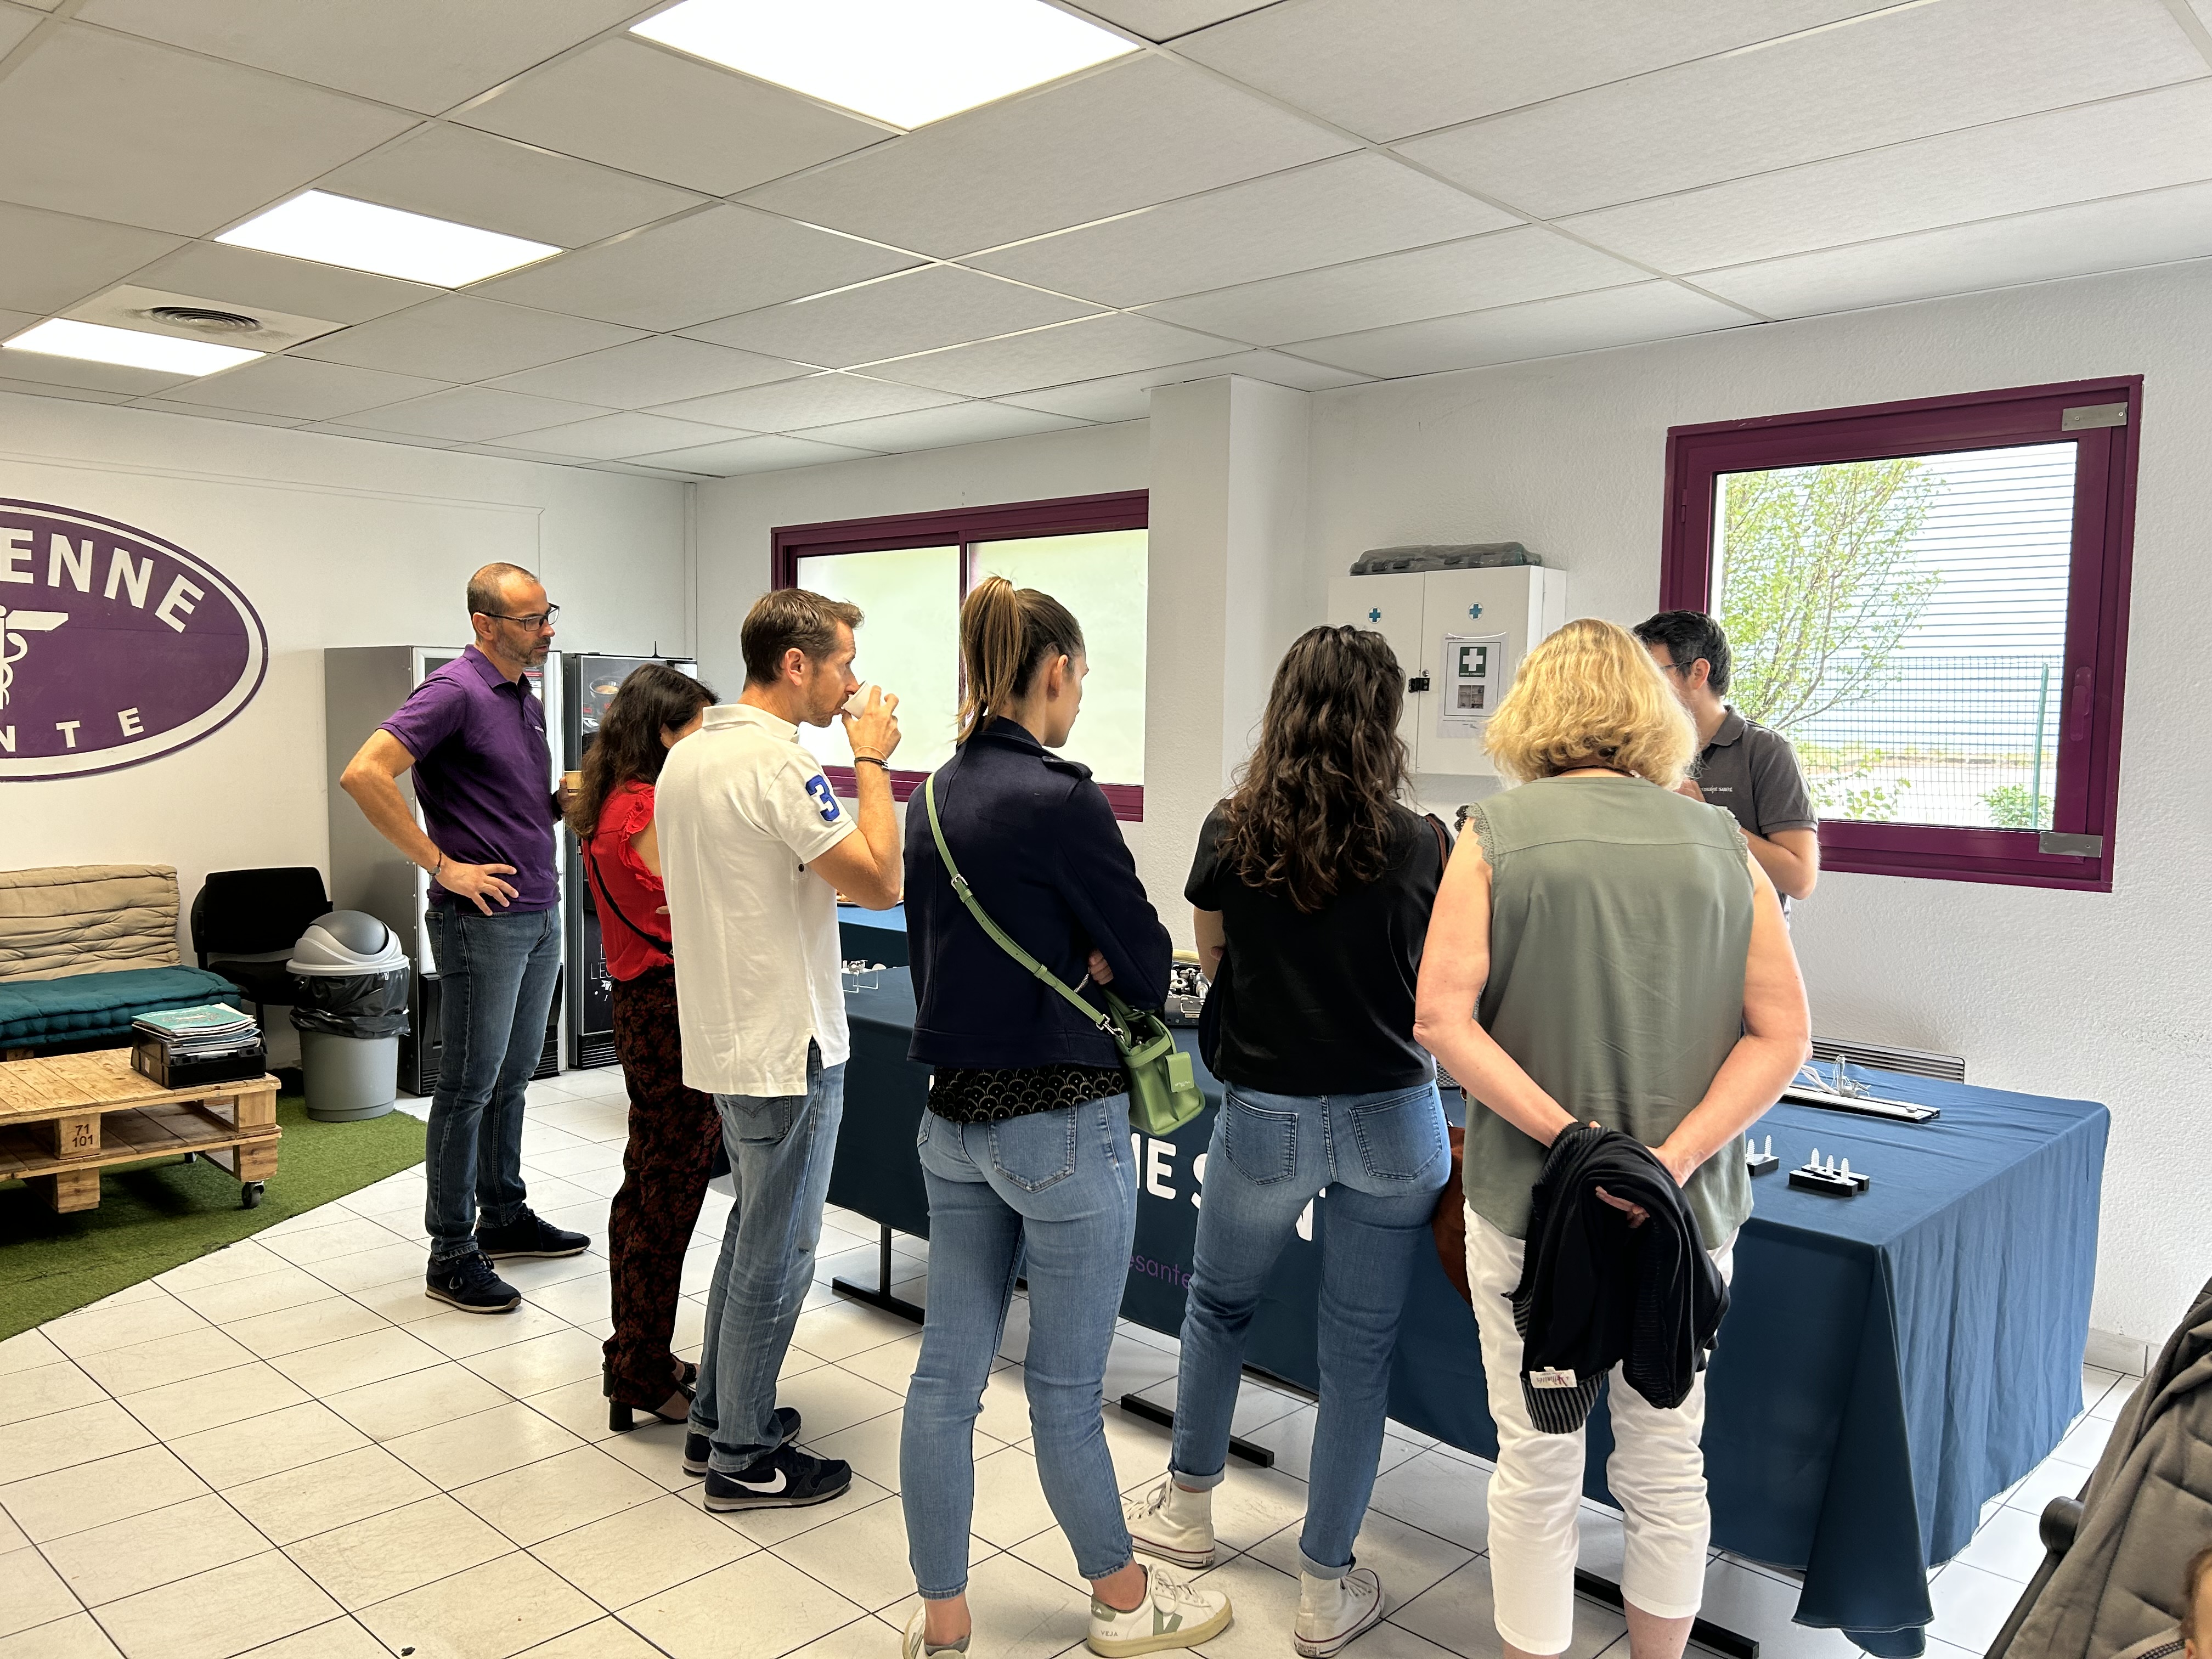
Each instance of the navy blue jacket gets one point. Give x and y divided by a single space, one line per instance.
1042 852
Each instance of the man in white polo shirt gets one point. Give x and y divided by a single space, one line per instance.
754 849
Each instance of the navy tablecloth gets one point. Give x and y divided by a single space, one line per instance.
1888 1363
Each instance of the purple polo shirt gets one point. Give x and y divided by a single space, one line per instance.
482 772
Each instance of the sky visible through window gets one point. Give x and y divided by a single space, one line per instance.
1904 622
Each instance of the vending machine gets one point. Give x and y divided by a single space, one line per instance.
591 680
362 685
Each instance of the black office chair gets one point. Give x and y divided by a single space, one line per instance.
244 923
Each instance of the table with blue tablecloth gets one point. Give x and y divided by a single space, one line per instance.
1889 1362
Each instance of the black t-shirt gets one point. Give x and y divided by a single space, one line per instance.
1322 1004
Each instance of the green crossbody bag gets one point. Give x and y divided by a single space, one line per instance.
1164 1093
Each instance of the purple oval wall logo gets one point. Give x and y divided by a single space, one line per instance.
116 646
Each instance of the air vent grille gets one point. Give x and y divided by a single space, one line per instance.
203 320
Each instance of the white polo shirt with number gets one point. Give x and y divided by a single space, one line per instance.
742 809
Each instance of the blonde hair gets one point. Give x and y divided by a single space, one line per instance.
1591 695
1007 633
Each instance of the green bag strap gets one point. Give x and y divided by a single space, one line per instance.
998 935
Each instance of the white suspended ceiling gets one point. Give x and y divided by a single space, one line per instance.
1316 192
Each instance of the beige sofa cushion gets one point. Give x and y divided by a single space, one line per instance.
86 919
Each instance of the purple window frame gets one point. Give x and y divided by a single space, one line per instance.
2087 794
963 527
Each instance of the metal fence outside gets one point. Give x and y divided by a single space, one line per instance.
1950 739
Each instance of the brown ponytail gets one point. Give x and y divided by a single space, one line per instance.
1007 634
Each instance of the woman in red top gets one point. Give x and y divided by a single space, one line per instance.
673 1130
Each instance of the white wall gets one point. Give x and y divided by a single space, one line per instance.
334 541
2107 997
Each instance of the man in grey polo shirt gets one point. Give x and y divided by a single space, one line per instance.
1741 765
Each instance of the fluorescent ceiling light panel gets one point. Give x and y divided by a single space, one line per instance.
96 343
907 62
336 230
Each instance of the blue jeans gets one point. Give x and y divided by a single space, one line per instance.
780 1149
1054 1190
495 977
1382 1159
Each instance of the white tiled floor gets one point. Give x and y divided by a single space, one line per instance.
285 1448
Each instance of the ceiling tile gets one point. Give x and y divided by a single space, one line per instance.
459 337
1163 19
1503 268
48 261
116 128
636 106
201 412
1389 68
424 55
472 413
1128 397
41 368
1143 131
722 261
1907 75
937 428
245 277
916 311
16 22
15 322
2143 142
75 393
343 429
614 437
512 452
1542 328
479 179
2069 241
301 389
658 370
815 401
740 455
1345 208
1113 344
634 470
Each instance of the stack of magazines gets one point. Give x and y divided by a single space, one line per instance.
210 1043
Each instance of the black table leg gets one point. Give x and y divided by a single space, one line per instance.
881 1296
1704 1632
1137 1405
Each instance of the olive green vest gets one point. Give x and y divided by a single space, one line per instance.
1620 920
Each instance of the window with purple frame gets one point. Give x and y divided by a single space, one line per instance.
1930 600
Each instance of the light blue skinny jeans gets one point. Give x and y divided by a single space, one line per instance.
1383 1158
1052 1195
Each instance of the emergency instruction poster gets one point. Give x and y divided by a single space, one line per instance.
1474 681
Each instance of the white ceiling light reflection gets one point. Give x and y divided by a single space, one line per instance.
907 62
338 230
96 343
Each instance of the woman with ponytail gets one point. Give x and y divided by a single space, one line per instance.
1313 886
1025 1146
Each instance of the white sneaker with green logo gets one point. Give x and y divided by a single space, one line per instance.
1175 1614
1171 1524
1333 1613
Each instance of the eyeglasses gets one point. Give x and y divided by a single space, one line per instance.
537 621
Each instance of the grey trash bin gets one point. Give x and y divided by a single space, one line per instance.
352 979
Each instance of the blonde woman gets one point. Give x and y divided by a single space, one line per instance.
1603 952
1024 1149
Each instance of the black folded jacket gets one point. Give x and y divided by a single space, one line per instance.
1595 1292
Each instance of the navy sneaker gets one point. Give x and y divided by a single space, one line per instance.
696 1446
787 1479
470 1285
530 1234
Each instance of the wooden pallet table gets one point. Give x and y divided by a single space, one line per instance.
65 1118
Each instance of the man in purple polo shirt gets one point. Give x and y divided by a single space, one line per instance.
475 735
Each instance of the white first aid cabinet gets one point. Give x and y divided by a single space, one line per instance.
1464 633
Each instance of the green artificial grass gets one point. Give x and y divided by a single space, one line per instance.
153 1216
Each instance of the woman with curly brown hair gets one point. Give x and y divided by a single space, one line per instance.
1313 886
673 1130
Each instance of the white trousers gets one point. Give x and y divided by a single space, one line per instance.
1658 1472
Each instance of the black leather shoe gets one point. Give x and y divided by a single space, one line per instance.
530 1235
468 1284
696 1446
787 1479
